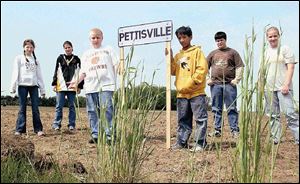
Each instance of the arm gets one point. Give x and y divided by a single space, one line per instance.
40 80
173 64
208 77
80 84
288 78
201 69
15 75
238 75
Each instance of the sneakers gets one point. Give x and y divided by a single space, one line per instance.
216 133
71 128
93 141
235 134
56 128
178 146
197 148
18 133
41 133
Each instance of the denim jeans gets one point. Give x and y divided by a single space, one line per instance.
186 108
60 102
285 104
94 103
228 93
34 96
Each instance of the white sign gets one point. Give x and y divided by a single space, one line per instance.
145 33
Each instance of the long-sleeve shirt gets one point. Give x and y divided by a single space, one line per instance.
27 73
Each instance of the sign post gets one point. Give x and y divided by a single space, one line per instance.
146 34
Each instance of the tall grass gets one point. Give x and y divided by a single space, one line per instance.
122 160
255 155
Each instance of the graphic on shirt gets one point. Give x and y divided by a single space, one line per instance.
30 66
221 63
61 83
183 63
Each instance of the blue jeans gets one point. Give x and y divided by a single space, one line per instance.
34 96
94 103
186 108
285 104
228 93
60 102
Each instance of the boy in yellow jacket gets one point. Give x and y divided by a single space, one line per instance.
190 68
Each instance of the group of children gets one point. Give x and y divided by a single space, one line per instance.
97 72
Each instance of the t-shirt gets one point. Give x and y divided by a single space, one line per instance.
99 65
276 79
223 63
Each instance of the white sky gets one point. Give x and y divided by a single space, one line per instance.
49 24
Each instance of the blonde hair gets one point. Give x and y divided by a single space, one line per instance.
96 31
273 28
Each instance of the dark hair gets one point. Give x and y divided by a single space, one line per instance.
184 30
68 42
30 41
220 35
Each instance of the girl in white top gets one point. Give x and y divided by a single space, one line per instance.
27 78
279 88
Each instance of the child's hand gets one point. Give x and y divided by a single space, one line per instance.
72 85
78 90
54 89
43 95
167 52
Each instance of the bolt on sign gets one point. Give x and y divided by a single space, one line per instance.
145 33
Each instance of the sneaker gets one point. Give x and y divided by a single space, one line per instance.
197 148
178 146
41 133
93 141
71 128
17 133
235 134
216 133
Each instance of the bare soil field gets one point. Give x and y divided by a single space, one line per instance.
163 165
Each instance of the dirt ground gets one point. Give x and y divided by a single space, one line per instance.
162 165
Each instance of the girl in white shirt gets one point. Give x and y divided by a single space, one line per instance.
27 78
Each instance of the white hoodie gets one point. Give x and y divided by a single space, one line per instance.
26 74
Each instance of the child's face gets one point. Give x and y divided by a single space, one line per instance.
221 43
28 48
96 39
184 40
68 49
273 37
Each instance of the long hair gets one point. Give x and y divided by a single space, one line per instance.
26 42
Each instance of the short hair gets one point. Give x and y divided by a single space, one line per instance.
184 30
273 28
96 31
220 35
68 43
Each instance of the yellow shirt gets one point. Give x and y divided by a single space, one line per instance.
190 68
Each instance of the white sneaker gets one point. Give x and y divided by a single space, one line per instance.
197 148
71 128
17 133
41 133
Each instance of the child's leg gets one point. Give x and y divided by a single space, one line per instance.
230 95
217 105
199 108
34 96
21 121
106 103
60 101
72 113
185 118
92 106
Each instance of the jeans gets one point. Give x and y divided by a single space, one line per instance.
228 93
95 102
285 104
60 102
186 108
34 96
